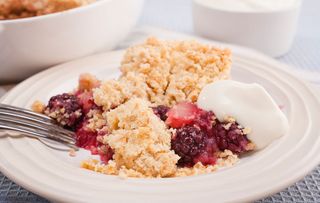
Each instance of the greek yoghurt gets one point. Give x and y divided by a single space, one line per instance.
251 5
250 105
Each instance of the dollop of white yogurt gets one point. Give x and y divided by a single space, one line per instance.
250 105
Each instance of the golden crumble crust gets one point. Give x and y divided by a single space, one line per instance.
225 159
140 140
110 94
12 9
176 70
165 72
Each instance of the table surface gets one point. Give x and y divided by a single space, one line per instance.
176 15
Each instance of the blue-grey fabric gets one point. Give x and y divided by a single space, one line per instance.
176 15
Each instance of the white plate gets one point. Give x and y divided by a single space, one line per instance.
57 176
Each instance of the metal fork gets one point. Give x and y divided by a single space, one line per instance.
34 125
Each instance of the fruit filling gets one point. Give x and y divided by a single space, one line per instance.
197 134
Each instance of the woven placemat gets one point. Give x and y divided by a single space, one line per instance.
306 190
303 56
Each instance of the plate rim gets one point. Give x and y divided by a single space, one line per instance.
278 65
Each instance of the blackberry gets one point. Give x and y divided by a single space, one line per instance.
192 144
65 109
230 136
161 111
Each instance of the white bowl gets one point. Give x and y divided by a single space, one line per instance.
32 44
271 31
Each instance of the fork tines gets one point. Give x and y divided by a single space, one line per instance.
34 125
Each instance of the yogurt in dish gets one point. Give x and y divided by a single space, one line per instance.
251 5
250 105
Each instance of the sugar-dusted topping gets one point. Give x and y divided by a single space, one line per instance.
140 140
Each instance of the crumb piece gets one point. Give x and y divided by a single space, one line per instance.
246 130
227 126
226 159
94 165
88 82
72 152
250 146
38 106
230 119
89 164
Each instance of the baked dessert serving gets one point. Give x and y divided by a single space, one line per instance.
13 9
146 123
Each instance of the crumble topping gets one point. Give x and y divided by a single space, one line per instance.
177 70
226 159
96 120
165 72
112 93
140 140
145 124
12 9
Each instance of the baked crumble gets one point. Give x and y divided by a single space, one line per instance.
140 140
146 123
165 72
13 9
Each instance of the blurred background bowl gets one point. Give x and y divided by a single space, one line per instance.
269 31
31 44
